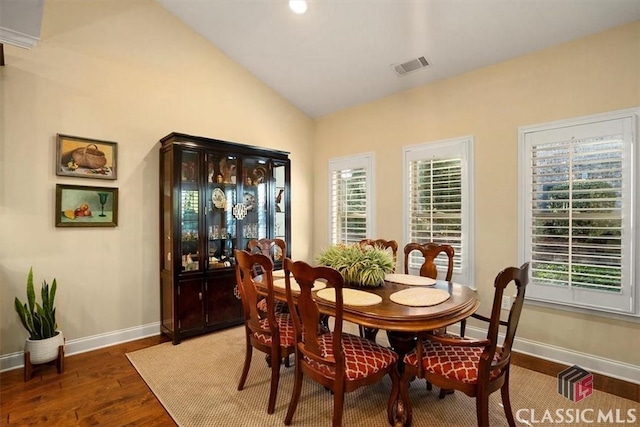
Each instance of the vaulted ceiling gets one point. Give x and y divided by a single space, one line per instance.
341 53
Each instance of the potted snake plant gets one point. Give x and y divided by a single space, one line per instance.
39 319
359 266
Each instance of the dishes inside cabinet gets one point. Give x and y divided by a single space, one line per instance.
249 201
259 175
218 198
228 171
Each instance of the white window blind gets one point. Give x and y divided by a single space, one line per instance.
350 199
578 212
435 202
439 201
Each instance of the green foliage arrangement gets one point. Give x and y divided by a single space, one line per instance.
358 266
38 320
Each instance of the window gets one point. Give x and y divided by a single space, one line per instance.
351 199
577 211
438 201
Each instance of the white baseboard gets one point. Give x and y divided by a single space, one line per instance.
594 364
82 345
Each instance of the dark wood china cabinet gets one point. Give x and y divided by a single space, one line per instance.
215 196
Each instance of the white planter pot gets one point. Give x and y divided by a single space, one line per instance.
43 351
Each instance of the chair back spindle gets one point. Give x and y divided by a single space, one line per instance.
430 251
276 249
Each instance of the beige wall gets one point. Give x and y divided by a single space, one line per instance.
591 75
130 72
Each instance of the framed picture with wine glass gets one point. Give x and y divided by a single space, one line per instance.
86 206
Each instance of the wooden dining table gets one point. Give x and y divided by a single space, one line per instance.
402 322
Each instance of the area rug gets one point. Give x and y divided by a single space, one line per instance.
197 380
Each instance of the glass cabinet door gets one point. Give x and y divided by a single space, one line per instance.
279 197
253 214
166 186
221 196
189 208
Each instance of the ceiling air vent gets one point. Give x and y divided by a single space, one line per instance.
409 66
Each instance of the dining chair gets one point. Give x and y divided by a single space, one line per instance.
276 249
429 269
273 335
430 252
339 361
475 367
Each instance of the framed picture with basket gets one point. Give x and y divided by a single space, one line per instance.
86 158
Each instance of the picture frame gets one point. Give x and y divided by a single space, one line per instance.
86 158
86 206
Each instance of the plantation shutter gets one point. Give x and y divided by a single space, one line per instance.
439 202
350 200
435 198
578 214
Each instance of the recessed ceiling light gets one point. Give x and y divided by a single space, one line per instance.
298 6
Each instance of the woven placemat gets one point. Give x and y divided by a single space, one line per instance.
350 296
419 297
277 273
409 279
295 287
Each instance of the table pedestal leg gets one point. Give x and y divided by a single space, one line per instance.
368 333
399 416
402 343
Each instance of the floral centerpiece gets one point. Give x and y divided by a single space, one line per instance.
358 266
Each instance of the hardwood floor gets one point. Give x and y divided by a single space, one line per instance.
96 388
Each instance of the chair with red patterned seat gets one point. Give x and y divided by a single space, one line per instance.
430 251
475 367
273 335
339 361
